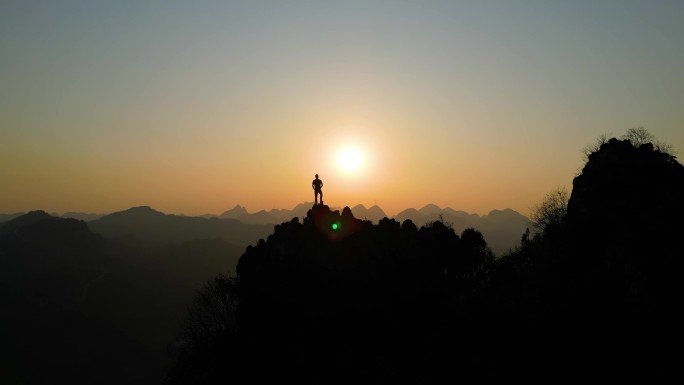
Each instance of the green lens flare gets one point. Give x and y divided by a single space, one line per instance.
334 226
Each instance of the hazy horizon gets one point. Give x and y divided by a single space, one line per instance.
192 108
252 211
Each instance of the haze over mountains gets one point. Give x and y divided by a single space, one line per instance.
102 301
155 227
335 299
74 215
122 272
501 228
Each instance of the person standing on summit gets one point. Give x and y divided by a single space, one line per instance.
317 186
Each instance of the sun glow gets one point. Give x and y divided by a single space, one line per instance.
350 160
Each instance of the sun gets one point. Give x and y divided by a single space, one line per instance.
350 160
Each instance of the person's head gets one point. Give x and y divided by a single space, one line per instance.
316 176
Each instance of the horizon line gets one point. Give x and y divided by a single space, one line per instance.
332 207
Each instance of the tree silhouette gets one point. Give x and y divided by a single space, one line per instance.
209 334
334 299
551 210
639 136
324 303
590 149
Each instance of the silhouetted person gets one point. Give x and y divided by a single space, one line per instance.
317 186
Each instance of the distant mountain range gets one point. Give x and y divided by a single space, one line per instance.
502 229
276 216
75 215
111 304
272 217
122 272
156 228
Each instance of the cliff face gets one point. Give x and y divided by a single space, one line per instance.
621 183
625 217
334 287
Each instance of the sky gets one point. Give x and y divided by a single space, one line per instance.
193 107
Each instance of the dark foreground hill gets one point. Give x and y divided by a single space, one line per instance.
502 228
327 299
337 300
625 221
80 308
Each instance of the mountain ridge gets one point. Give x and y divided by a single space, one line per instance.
502 228
155 227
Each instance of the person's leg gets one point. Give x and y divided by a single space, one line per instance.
315 197
321 192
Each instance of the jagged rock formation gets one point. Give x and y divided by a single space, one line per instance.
335 299
626 217
324 293
622 183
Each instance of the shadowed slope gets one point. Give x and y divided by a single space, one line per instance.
330 294
156 228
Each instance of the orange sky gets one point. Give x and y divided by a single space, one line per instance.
193 109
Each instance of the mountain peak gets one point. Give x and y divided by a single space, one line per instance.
28 219
142 209
430 209
139 212
505 213
37 214
235 212
373 214
376 212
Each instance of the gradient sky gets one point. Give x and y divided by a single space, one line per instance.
193 107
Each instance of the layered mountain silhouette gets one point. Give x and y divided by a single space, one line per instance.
74 215
335 299
46 265
156 228
502 228
81 216
334 296
373 213
7 217
270 217
87 308
324 299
